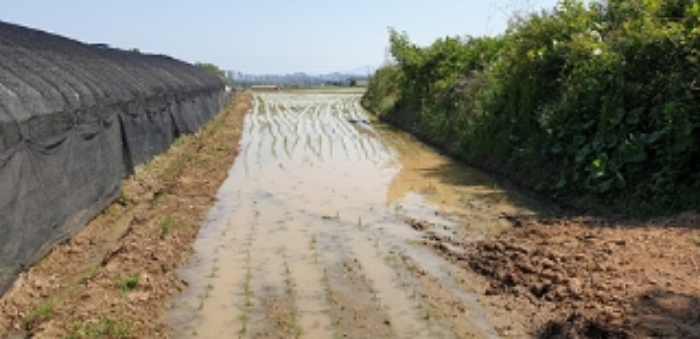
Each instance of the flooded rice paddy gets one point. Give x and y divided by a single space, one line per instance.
312 235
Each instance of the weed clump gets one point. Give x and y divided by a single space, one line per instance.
104 328
128 283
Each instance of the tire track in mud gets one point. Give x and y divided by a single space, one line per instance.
304 243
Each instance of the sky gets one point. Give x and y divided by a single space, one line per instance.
266 36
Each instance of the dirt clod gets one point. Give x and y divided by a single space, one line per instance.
595 280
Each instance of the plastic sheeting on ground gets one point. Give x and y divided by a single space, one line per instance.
74 120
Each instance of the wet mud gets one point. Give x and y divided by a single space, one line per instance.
311 235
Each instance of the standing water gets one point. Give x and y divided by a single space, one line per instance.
310 238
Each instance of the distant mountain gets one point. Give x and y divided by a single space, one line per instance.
301 79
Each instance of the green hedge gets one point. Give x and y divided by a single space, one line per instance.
582 101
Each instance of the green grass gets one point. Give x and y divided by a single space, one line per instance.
218 148
128 283
104 328
123 199
247 288
214 269
167 226
312 244
89 275
244 324
157 198
42 312
178 142
248 291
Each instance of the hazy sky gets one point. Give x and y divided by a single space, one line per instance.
265 36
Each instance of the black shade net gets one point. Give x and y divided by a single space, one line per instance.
74 120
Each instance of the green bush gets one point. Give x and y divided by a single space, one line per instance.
604 97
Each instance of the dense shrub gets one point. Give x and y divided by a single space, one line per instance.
585 100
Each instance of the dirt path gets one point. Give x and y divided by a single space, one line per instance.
116 277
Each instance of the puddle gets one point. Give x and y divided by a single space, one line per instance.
298 242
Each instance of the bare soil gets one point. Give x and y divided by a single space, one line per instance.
116 278
590 278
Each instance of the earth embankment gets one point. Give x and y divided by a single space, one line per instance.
74 120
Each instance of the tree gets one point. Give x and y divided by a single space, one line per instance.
214 69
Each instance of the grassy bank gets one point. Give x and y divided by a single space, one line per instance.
586 102
116 277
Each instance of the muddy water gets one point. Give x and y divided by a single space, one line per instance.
309 239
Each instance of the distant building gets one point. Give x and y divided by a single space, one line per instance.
294 80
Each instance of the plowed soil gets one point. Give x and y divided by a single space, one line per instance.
115 279
592 278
